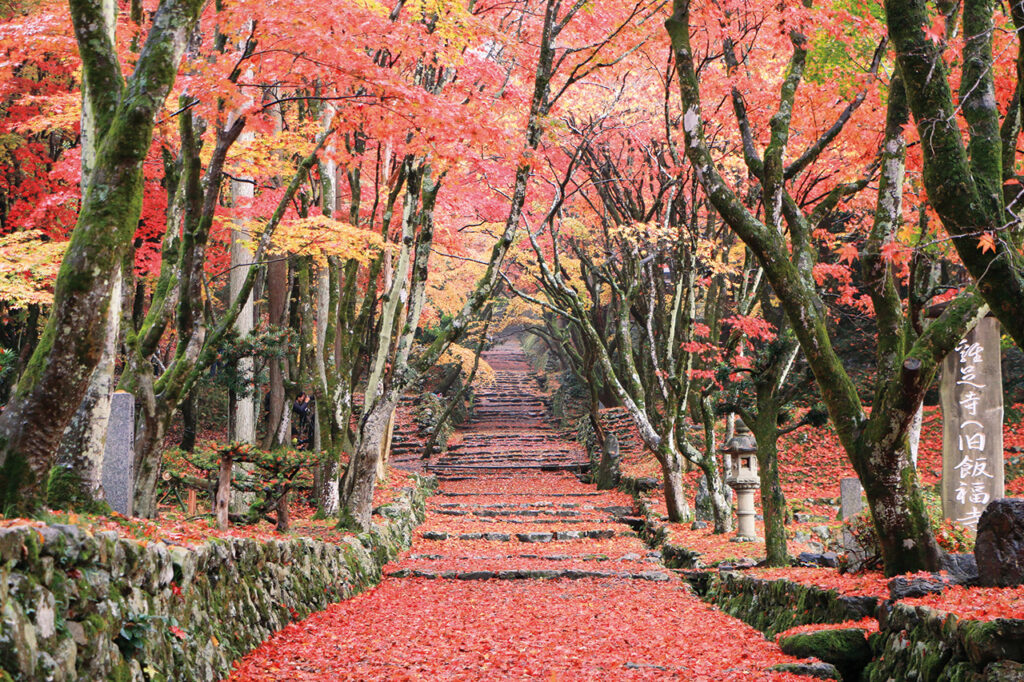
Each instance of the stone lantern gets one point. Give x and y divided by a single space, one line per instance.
742 477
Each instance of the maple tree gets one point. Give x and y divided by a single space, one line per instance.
972 183
631 249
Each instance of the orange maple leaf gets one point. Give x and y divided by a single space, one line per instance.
987 242
891 251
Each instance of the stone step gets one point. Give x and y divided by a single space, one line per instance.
509 505
502 493
534 574
532 537
494 513
615 510
647 557
487 449
447 460
529 520
579 466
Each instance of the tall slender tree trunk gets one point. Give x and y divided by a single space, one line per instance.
242 402
243 410
277 304
672 471
326 319
189 421
773 501
278 296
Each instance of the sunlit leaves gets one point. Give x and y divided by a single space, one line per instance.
465 358
28 268
320 236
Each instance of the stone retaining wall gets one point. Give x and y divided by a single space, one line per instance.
773 606
99 607
919 643
655 531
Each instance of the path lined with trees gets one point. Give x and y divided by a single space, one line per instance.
520 571
252 256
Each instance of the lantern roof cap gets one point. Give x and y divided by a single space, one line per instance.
742 441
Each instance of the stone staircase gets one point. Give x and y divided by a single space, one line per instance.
511 429
510 505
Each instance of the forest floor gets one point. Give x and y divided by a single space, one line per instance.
520 572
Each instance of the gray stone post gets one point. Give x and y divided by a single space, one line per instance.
119 455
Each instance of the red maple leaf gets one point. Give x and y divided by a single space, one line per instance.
848 253
937 31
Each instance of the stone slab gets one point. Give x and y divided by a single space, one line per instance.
119 456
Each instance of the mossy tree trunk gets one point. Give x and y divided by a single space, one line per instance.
773 500
706 460
774 387
83 443
965 182
57 376
277 316
465 387
672 465
198 345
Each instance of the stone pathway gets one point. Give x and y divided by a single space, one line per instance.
520 572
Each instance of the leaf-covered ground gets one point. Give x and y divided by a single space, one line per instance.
499 583
812 463
175 527
501 620
415 629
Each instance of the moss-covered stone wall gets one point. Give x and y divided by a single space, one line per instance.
75 606
773 606
919 643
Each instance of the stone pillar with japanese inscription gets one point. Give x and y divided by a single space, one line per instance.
971 390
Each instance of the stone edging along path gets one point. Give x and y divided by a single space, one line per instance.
913 642
74 606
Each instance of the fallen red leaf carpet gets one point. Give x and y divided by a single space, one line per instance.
521 572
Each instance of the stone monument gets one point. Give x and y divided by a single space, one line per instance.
850 501
850 504
119 455
972 425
